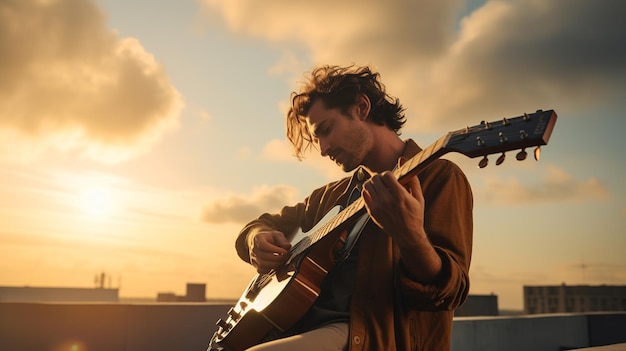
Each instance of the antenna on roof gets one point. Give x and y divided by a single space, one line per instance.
583 266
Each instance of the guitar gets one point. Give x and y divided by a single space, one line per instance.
275 301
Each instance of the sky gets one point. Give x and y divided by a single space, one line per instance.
138 137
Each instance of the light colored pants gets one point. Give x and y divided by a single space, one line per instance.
331 337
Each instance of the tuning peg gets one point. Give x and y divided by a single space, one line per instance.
537 153
503 138
500 159
480 141
526 117
484 162
521 156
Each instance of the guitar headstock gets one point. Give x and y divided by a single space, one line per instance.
503 135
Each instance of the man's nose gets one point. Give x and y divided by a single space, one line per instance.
324 147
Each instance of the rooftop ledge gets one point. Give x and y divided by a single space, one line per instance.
189 326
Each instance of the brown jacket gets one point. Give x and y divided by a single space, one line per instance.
389 310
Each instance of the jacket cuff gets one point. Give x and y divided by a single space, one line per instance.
442 293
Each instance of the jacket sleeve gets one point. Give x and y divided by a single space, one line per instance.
290 219
287 221
449 226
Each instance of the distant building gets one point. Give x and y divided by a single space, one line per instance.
478 305
574 298
195 293
167 297
42 294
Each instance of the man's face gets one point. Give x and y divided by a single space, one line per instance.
345 139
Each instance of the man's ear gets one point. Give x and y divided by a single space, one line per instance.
363 107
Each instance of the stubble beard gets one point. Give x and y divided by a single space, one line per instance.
362 141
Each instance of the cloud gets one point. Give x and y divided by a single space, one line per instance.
242 208
330 29
556 186
289 65
526 55
277 150
506 58
70 84
399 39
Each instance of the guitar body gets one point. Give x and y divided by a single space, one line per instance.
277 300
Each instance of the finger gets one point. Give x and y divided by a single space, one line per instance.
392 184
265 260
375 186
266 251
385 186
280 240
402 161
267 242
270 257
413 185
265 263
367 196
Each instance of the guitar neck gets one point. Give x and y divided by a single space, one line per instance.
416 163
480 140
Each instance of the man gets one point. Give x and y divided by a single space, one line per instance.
397 287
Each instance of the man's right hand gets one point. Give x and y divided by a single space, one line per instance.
268 250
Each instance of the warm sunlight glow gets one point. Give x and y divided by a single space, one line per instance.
71 346
97 201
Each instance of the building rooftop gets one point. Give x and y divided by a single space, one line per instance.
189 326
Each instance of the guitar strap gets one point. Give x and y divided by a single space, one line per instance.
354 235
357 229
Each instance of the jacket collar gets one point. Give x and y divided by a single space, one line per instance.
361 174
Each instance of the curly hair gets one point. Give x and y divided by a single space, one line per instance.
339 87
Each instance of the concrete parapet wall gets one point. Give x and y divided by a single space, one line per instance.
107 327
189 326
521 333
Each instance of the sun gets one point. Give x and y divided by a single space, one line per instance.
97 201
